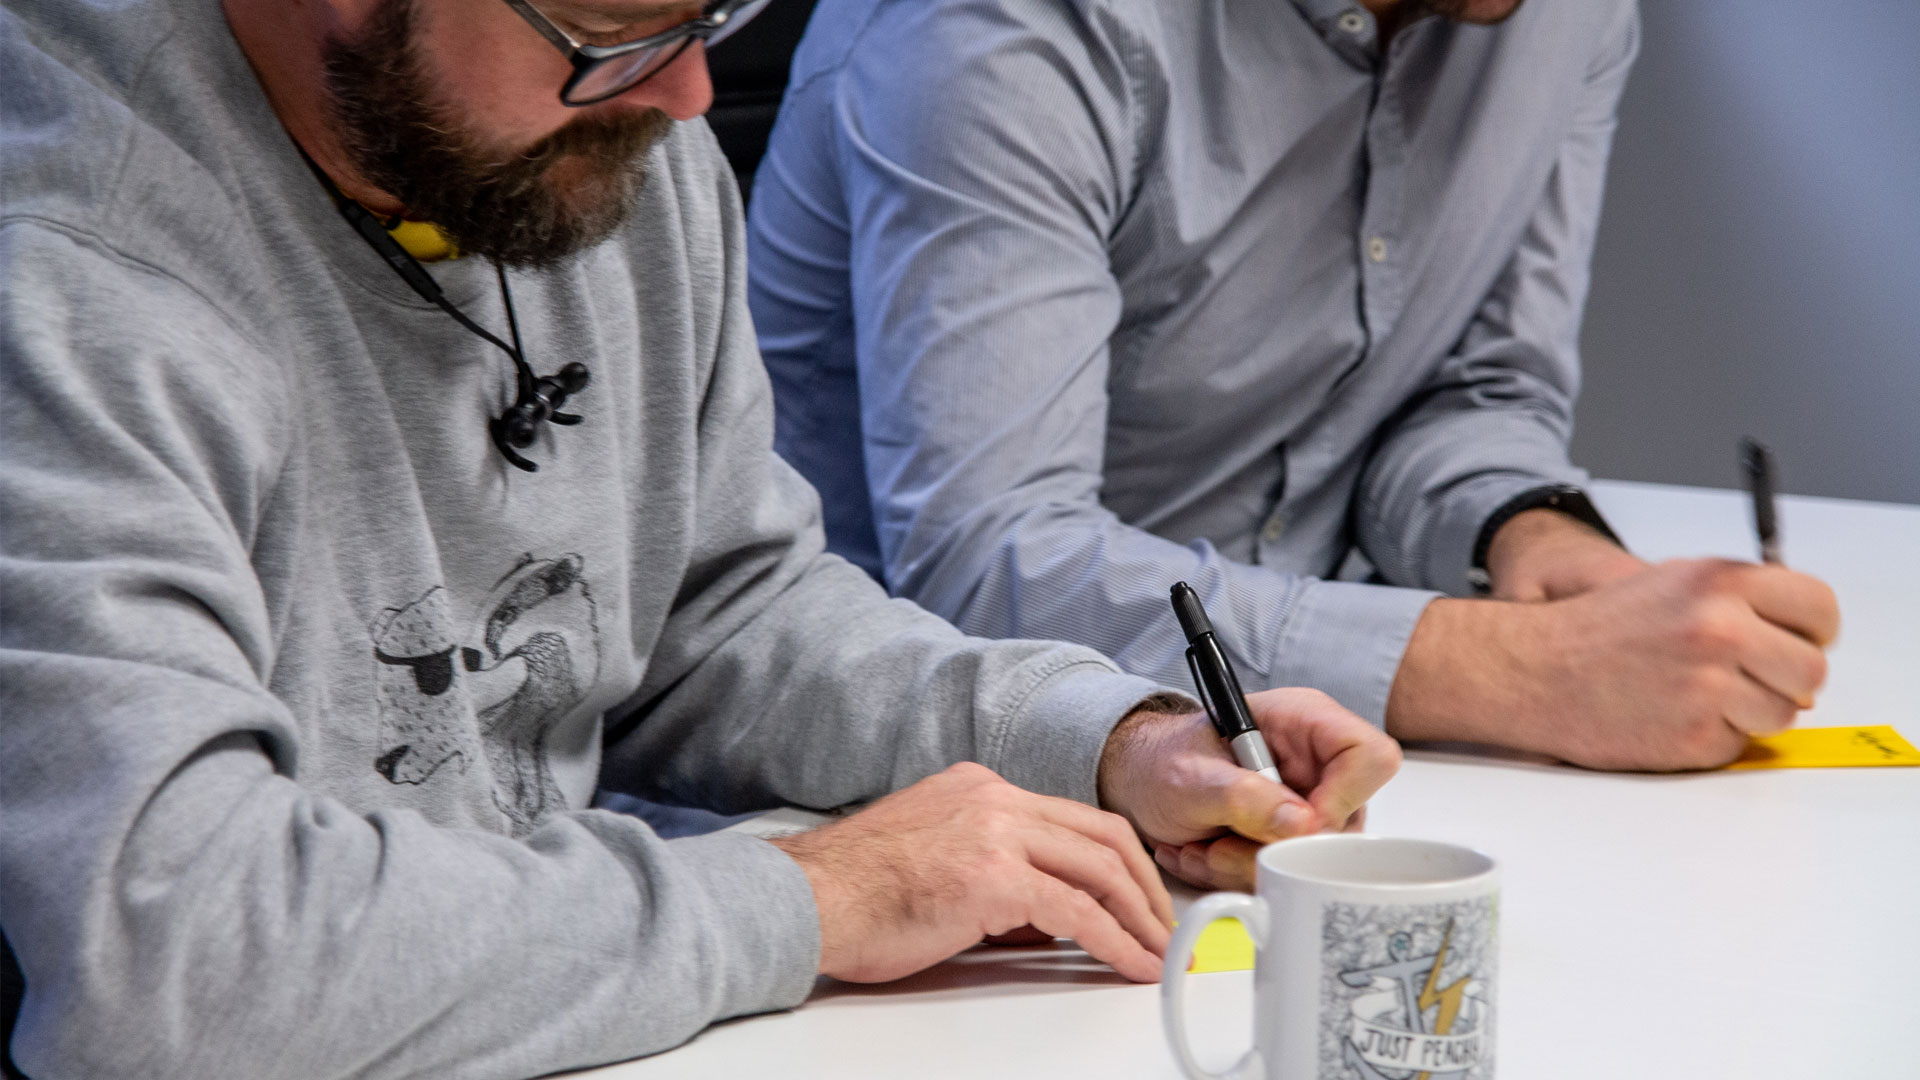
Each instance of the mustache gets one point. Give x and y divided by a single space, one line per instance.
608 141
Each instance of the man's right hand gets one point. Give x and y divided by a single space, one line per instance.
1674 667
938 866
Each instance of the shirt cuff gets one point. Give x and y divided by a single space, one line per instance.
1056 730
760 922
1464 511
1346 639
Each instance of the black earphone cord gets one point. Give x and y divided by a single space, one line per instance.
538 398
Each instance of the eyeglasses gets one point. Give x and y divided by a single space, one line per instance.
604 71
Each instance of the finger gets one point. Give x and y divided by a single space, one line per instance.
1356 822
1248 803
1173 859
1757 709
1097 870
1113 831
1223 863
1782 661
1802 604
1357 760
1059 909
1290 718
1312 734
1168 858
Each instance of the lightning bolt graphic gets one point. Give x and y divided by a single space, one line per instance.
1447 997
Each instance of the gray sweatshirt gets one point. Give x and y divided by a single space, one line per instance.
305 693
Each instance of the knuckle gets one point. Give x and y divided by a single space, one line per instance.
1829 604
1711 630
1220 858
1693 575
1315 700
995 864
1188 772
1113 826
1387 750
1816 673
1193 863
1705 747
995 821
1722 573
1703 732
1083 907
1117 841
1705 689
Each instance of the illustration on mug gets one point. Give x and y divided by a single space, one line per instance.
1407 992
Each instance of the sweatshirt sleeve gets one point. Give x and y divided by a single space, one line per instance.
179 903
785 674
1494 420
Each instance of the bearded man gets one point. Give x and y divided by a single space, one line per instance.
338 574
1065 300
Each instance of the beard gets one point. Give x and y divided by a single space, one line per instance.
526 207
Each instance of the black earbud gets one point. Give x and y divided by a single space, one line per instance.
515 429
539 399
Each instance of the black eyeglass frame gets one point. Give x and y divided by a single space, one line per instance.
720 18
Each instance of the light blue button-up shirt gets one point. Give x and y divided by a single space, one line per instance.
1065 300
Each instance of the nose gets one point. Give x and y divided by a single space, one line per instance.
682 89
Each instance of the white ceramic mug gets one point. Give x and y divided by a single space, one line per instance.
1374 960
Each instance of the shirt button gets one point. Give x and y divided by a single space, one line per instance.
1377 249
1352 22
1274 528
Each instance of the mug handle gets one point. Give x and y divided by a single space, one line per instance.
1252 913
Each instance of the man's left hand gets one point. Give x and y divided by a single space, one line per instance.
1205 816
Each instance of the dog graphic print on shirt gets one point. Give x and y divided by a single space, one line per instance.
491 691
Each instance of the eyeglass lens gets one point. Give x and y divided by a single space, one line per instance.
619 74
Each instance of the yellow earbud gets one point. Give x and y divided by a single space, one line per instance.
423 240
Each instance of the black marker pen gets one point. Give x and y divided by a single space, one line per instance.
1757 464
1219 687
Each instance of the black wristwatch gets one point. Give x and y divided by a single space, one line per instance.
1565 498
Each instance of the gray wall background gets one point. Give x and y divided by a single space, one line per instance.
1758 266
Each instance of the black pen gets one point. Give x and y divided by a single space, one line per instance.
1219 688
1757 463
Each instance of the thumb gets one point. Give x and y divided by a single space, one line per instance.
1259 809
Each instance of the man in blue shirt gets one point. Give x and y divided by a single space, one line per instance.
1066 300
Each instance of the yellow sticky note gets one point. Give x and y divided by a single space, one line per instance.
1827 747
1223 946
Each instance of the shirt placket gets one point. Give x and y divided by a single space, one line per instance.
1379 241
1351 32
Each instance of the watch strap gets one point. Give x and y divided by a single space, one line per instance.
1564 498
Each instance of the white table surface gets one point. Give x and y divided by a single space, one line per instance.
1747 924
